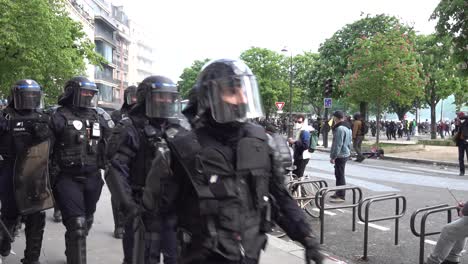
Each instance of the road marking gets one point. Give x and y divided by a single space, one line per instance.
358 182
381 228
326 212
430 242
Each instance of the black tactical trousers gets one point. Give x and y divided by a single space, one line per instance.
78 198
340 164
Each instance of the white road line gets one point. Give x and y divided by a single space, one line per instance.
430 242
381 228
326 212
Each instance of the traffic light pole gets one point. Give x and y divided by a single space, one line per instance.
325 129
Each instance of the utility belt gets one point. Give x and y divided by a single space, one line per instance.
80 174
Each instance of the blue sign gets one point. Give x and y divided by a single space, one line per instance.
327 102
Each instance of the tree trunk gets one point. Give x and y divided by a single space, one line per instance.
363 109
433 120
377 136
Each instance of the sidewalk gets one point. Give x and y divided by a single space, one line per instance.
279 251
424 154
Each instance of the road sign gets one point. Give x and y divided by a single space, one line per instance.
279 105
279 111
327 102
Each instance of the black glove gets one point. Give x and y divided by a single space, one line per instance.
312 250
41 131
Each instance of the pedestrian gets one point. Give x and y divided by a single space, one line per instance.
358 136
300 146
340 152
25 139
231 173
139 138
461 140
452 240
80 130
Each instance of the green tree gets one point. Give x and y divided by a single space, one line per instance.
188 78
452 22
39 41
383 69
271 71
336 51
438 70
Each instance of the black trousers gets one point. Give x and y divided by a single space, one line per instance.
300 167
462 150
340 164
78 198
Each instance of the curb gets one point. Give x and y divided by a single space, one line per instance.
409 160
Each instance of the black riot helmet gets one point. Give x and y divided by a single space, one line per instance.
80 92
130 95
160 96
228 89
27 95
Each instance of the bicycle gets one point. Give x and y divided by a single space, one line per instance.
303 192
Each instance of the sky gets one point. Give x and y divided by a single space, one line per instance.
187 30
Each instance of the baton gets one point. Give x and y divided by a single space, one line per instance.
455 198
5 230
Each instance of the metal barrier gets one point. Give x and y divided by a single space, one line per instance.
422 234
320 203
379 198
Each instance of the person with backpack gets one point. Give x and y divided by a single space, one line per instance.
359 128
300 145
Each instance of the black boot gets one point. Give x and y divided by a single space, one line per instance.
5 242
57 215
89 223
75 240
34 231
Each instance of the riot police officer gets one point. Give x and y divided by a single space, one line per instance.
229 172
24 182
130 99
80 130
136 141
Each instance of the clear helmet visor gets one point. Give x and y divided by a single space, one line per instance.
28 99
162 104
86 98
235 99
131 98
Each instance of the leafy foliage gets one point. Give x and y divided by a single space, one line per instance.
383 69
39 41
438 70
271 71
188 78
452 21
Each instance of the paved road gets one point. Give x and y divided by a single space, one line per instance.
422 185
104 249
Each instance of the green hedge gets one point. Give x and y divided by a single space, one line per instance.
438 142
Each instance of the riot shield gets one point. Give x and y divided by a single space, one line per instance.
31 180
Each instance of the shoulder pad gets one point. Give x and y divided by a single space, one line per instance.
103 113
280 149
254 130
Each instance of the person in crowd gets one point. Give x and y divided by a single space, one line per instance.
300 146
452 240
340 152
461 140
358 136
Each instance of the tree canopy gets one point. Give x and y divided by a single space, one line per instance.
188 78
452 21
39 41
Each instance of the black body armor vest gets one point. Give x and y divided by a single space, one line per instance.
24 129
77 146
231 185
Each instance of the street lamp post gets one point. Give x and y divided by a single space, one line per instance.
290 92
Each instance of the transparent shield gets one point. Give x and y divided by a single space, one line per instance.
86 98
162 105
235 99
28 99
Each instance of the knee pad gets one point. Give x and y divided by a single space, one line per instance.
76 227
